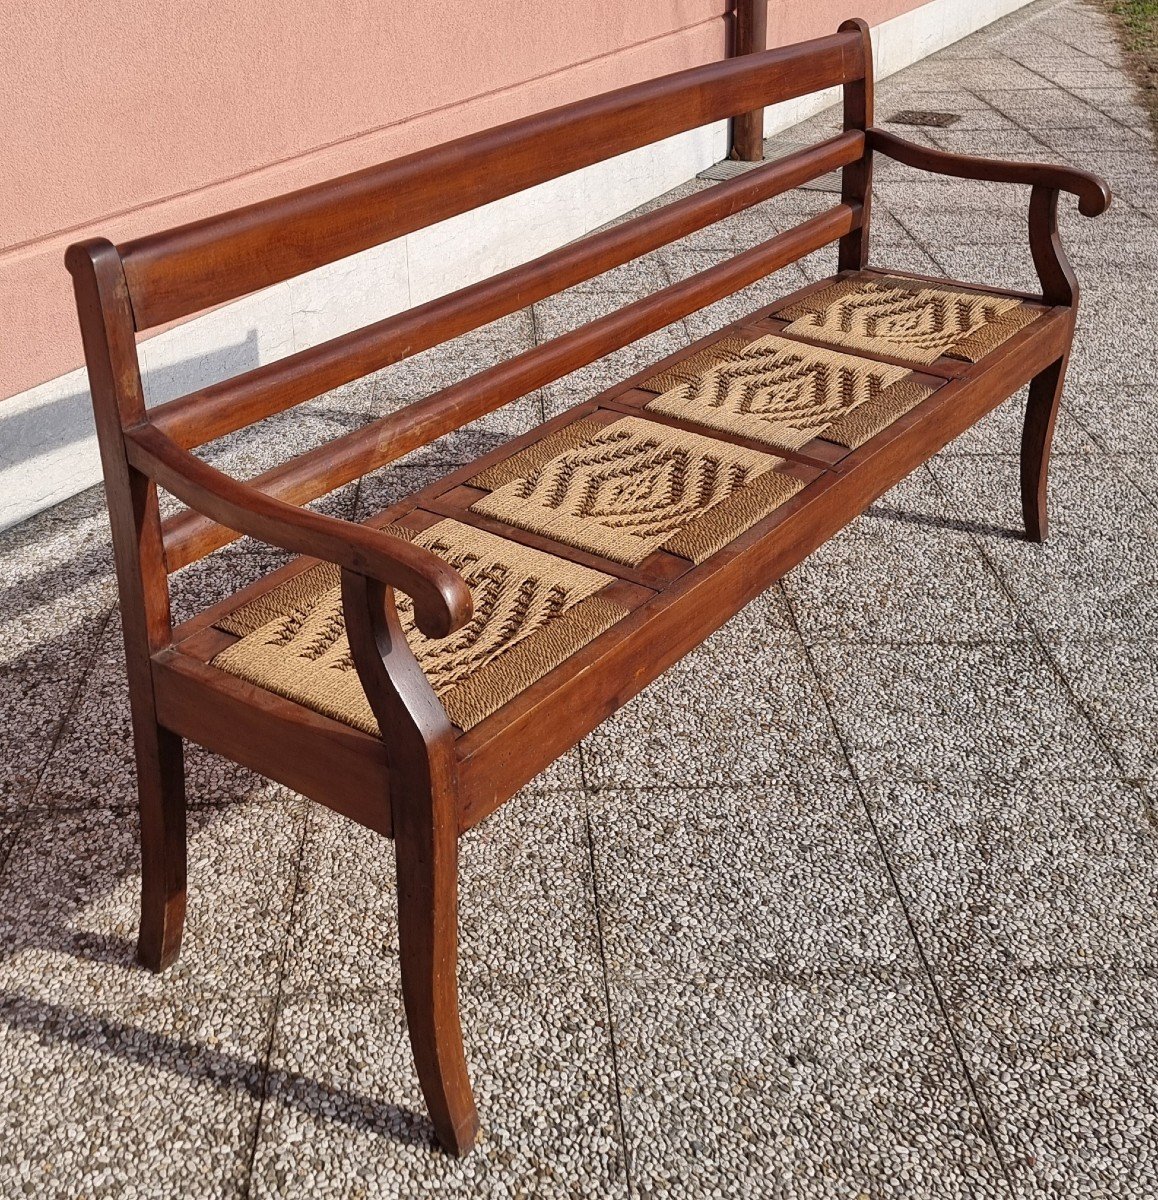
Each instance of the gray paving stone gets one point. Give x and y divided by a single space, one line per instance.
1118 686
1066 1063
1142 471
344 1111
1030 876
589 381
817 1087
527 910
262 447
561 313
993 142
8 828
743 303
450 362
711 881
1093 578
69 907
757 224
479 437
395 482
1105 135
1035 108
850 589
968 710
92 764
739 710
38 691
147 1099
1125 422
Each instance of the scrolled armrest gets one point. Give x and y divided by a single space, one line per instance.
1092 193
442 601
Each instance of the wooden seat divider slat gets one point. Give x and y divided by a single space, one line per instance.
190 535
219 258
222 408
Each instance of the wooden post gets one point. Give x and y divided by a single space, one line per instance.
749 35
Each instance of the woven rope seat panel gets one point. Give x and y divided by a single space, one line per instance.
908 319
627 489
532 610
783 393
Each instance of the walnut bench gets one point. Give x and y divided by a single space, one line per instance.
413 672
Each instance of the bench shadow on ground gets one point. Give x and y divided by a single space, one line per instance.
202 1063
53 922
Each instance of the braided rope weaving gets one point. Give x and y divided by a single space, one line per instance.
907 319
627 489
531 612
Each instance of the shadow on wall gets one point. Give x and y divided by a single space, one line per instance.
47 441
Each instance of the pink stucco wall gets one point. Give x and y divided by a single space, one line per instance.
132 115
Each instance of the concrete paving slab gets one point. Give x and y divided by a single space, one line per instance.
729 1088
1030 876
68 916
145 1099
526 901
709 882
740 710
1065 1063
850 590
1119 690
966 711
344 1111
94 767
1093 578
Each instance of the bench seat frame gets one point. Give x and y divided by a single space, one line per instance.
424 783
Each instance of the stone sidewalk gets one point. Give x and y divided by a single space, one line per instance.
877 919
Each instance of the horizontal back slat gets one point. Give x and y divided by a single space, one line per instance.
208 262
190 536
222 408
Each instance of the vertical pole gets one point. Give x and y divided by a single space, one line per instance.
749 36
856 184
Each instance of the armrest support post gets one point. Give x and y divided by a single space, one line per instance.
1059 285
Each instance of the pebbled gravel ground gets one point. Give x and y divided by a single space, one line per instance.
858 901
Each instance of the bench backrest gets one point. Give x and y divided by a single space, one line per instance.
170 275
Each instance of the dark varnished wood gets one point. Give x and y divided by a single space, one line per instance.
749 36
1058 283
1036 441
329 762
193 534
232 404
184 270
442 601
856 180
501 754
1092 193
424 804
424 782
102 302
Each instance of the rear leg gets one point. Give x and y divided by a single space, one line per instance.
1036 440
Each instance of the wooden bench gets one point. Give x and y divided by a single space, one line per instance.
415 671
